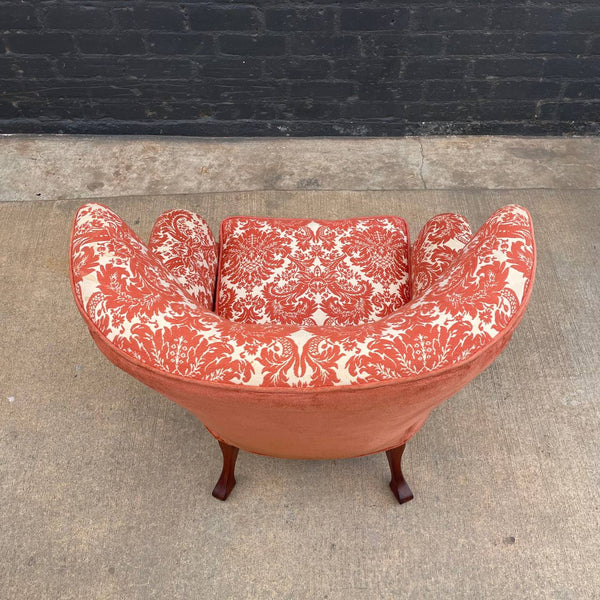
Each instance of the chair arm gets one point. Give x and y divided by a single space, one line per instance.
184 243
435 248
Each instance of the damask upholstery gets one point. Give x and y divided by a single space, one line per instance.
435 248
184 243
285 366
309 272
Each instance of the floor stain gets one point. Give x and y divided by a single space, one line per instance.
94 185
312 183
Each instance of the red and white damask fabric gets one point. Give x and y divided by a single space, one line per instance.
435 248
135 301
185 244
306 272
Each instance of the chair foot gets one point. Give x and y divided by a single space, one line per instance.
227 480
398 484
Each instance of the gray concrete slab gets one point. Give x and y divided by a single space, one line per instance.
511 162
105 485
60 167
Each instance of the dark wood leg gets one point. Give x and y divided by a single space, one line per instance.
227 479
398 484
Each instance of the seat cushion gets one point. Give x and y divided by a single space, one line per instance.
309 272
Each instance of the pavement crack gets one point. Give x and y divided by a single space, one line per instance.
422 163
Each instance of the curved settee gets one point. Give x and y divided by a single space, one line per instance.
321 387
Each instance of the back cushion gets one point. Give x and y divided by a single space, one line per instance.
309 272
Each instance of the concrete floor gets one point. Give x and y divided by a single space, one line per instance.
105 485
63 167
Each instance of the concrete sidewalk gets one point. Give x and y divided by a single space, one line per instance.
63 167
105 485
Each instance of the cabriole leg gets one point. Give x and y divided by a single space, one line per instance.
398 484
227 479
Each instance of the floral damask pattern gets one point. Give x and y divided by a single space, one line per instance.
435 248
132 298
303 272
185 245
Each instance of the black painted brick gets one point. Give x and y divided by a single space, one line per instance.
383 72
106 68
126 111
252 45
401 44
452 90
124 18
537 18
243 93
18 16
573 67
216 18
72 16
324 45
394 92
300 67
39 43
229 68
180 43
167 17
572 111
372 109
583 89
553 43
9 110
130 42
374 19
437 68
440 111
587 19
508 67
476 43
291 19
332 90
451 18
38 109
515 110
109 68
524 89
24 68
297 68
309 109
158 68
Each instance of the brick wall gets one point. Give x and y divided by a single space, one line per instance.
264 67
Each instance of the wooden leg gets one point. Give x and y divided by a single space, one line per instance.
398 484
227 479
